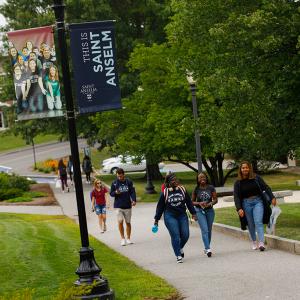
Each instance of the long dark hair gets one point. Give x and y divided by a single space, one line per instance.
61 164
251 172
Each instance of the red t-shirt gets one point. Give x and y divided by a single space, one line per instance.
99 196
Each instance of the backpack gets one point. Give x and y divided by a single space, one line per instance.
63 171
180 187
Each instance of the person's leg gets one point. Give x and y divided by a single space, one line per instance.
248 209
202 221
258 212
50 102
183 229
62 183
210 216
32 106
88 175
104 218
128 230
120 218
40 102
172 225
57 102
127 216
100 222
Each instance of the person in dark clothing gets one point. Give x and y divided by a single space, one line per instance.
250 204
123 191
204 198
87 168
172 203
62 174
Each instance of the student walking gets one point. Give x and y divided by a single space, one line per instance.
100 202
62 174
123 191
87 168
252 208
70 169
204 198
172 203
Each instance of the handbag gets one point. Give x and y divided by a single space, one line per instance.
264 194
58 183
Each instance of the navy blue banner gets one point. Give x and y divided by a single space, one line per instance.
94 65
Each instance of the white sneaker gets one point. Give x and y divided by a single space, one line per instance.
101 231
261 246
123 242
129 242
254 245
179 259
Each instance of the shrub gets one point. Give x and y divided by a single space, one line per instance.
10 193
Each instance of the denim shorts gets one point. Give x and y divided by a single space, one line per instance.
100 209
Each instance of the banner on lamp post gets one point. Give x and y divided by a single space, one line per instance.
94 65
35 73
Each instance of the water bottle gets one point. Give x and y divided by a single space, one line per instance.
154 228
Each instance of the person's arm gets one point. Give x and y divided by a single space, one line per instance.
28 88
93 202
160 207
237 200
107 200
194 198
190 206
41 85
50 89
132 193
113 190
23 90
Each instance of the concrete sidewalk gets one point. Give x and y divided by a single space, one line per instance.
233 272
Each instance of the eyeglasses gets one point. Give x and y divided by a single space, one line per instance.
98 183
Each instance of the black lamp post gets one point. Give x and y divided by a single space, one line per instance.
88 270
192 83
149 189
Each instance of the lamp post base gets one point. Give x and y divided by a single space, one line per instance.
89 274
149 189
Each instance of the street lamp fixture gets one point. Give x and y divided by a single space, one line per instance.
192 83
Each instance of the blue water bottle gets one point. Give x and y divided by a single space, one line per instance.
155 228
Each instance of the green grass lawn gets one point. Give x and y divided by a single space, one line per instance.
10 142
287 226
41 253
277 181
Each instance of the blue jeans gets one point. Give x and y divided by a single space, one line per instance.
205 220
178 227
254 211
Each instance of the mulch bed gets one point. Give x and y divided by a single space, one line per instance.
48 200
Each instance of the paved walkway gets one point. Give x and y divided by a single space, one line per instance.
234 271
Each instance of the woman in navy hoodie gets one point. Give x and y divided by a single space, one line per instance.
172 203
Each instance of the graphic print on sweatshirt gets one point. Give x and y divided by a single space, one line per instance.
123 188
175 199
204 196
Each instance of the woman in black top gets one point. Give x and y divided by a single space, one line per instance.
204 198
172 203
249 202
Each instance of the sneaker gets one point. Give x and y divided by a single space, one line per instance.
68 190
102 231
254 245
123 242
261 246
182 253
104 227
208 253
179 259
129 242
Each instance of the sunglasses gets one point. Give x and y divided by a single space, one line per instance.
98 183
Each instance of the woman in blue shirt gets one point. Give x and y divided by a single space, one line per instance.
204 198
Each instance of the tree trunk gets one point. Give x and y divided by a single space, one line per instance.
154 172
